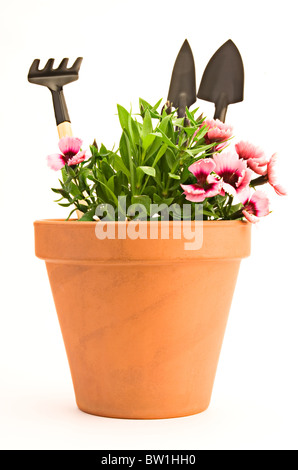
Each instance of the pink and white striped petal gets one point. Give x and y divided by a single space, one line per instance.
79 158
55 161
234 172
70 145
248 151
258 166
193 193
256 206
272 177
250 217
202 168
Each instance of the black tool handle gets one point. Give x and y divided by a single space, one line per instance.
221 107
182 105
60 108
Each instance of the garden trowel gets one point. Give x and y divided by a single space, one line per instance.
54 80
223 79
182 91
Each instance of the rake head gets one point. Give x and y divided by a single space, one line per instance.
52 78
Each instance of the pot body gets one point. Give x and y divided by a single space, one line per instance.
142 320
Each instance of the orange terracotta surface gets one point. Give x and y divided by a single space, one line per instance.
142 320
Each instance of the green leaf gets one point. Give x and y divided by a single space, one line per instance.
103 152
64 174
70 171
131 163
74 190
106 169
66 204
62 192
148 170
142 199
149 190
165 139
110 193
94 151
201 132
209 213
119 165
174 177
88 216
148 141
133 135
157 104
111 183
171 160
163 125
82 208
144 105
160 153
70 214
147 124
124 149
123 116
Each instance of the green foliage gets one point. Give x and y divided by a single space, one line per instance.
155 151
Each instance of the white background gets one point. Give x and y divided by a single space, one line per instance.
129 48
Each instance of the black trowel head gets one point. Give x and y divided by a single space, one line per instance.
182 91
223 76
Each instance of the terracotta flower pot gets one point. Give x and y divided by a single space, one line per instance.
142 320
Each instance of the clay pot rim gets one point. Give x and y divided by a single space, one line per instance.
58 240
209 223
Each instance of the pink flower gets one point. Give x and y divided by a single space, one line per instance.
207 185
218 131
255 206
254 156
234 172
71 155
271 174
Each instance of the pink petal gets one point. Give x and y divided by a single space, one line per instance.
216 123
70 145
280 190
272 170
220 147
217 131
214 189
55 161
202 167
261 203
195 198
244 180
228 162
80 157
228 188
257 167
250 217
244 196
247 151
272 178
218 135
195 193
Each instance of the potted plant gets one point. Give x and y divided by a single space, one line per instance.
143 279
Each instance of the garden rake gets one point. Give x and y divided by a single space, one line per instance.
54 80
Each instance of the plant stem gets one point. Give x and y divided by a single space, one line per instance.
236 215
259 181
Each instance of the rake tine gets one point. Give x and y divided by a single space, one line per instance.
63 64
34 67
77 64
49 65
